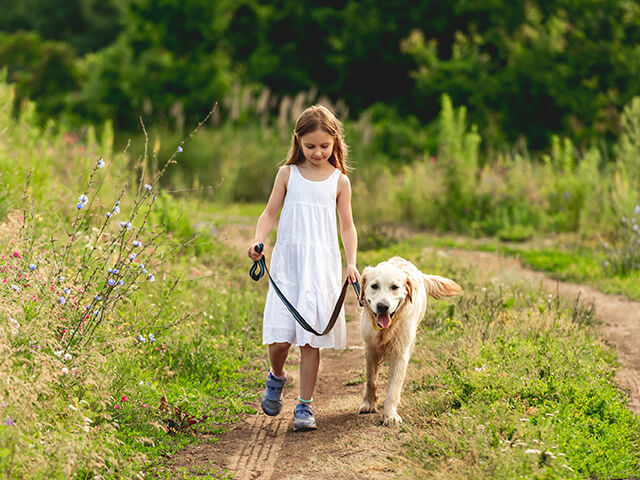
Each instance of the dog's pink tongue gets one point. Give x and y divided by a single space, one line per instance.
383 320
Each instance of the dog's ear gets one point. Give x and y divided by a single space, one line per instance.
409 287
440 287
363 283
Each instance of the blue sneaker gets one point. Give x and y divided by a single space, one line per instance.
272 396
303 418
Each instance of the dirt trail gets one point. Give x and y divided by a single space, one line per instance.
351 446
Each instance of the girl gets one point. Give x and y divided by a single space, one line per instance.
306 262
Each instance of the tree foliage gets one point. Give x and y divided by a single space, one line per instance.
531 69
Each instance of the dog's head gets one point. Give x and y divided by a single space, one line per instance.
385 289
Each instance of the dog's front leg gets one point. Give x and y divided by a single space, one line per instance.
372 363
397 371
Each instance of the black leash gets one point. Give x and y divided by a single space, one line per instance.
257 272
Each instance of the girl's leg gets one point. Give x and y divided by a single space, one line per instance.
278 353
309 364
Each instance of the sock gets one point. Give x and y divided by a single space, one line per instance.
300 399
277 377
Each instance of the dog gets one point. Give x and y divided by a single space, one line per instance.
394 297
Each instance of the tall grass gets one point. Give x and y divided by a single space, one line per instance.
122 331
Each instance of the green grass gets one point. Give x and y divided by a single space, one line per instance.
565 260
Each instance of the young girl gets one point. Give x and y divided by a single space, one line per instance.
306 262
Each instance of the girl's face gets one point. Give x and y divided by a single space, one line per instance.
317 147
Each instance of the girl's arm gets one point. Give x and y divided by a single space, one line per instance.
347 228
270 213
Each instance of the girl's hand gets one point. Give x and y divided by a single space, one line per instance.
353 274
253 255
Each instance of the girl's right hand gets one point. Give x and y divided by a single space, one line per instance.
253 255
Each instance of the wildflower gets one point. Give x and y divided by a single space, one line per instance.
107 215
116 406
152 338
86 428
83 199
67 357
532 451
101 163
132 256
147 187
61 300
15 287
58 353
9 422
480 369
16 254
120 282
109 270
623 220
141 339
637 209
152 278
98 298
179 149
66 290
73 407
80 206
123 224
123 399
128 225
116 209
111 282
136 243
144 405
88 307
635 227
144 271
15 325
65 371
141 266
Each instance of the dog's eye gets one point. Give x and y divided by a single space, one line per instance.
394 287
374 286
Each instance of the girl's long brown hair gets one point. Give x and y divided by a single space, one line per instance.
314 118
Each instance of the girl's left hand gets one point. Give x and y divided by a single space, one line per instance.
353 274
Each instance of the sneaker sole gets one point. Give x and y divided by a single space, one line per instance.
304 428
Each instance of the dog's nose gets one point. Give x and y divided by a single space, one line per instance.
382 308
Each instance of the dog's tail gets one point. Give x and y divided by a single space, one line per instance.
440 287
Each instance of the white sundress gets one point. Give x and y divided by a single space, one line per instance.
306 265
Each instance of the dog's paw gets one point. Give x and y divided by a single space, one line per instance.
391 419
367 407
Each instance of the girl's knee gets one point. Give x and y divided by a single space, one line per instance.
279 346
306 348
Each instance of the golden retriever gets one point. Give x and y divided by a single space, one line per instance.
395 300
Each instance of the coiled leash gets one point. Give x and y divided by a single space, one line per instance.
257 272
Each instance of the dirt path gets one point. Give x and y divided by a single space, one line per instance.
345 446
351 446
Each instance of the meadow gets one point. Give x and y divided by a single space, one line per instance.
132 329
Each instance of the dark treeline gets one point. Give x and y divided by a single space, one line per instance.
523 69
